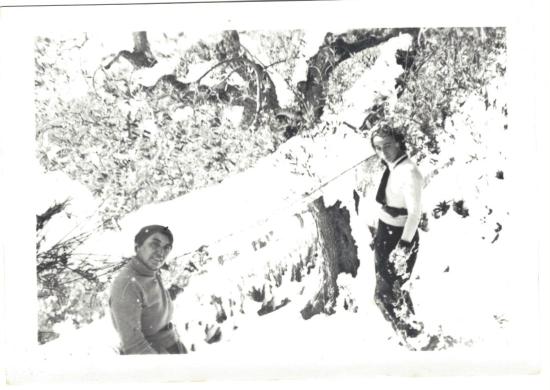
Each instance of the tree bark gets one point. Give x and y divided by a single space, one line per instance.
141 57
336 252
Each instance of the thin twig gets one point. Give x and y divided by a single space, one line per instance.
252 55
216 66
277 63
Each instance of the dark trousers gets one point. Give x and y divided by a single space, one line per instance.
394 302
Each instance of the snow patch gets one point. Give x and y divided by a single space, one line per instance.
148 77
376 84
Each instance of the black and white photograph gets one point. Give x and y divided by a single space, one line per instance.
256 194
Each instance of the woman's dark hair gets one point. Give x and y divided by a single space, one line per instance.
385 131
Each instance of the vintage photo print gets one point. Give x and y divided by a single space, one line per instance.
273 190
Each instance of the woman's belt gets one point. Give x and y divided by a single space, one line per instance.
394 211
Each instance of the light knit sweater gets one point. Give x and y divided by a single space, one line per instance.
140 309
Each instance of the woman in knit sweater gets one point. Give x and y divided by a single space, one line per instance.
141 308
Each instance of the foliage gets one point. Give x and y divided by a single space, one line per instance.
132 146
449 65
58 267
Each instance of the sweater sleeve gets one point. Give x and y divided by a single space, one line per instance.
126 306
412 193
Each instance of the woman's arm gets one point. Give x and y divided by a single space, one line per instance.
126 306
413 184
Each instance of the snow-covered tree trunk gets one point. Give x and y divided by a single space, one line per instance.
335 50
336 252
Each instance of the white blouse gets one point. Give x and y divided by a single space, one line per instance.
404 190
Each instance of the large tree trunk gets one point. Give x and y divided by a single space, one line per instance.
336 252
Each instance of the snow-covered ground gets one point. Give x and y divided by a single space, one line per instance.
465 287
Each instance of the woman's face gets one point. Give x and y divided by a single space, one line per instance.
154 250
386 148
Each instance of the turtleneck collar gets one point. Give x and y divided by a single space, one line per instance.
138 266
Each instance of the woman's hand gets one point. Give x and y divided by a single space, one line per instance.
399 257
